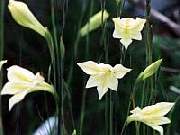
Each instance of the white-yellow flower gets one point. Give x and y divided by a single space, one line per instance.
152 116
127 29
21 82
2 62
24 17
103 76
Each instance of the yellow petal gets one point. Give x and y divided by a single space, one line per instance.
139 24
2 62
120 71
89 67
91 82
11 88
136 110
116 34
137 36
101 91
42 86
159 109
24 17
113 83
156 120
158 128
16 74
16 98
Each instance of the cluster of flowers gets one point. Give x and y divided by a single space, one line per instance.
103 76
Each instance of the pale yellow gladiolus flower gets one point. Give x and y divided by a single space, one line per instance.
2 62
24 17
152 116
127 29
103 76
21 82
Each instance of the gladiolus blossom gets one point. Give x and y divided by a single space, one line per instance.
103 76
152 116
127 29
21 82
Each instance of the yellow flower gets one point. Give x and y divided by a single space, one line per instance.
103 76
127 29
21 82
24 17
152 116
2 62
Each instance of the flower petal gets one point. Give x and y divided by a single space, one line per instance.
91 82
2 62
120 71
11 88
116 34
136 110
89 67
113 83
158 128
17 73
101 91
159 109
139 24
17 98
137 36
156 120
42 86
126 42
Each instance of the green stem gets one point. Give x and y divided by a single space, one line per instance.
120 5
86 56
75 49
108 112
1 53
148 42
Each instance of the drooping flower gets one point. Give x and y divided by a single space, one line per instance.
153 116
127 29
2 62
21 82
24 17
103 76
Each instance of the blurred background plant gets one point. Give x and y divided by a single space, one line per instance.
82 109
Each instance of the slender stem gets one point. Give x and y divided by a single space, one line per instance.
86 56
75 48
148 42
120 5
58 71
1 53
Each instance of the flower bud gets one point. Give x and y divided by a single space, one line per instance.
24 17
